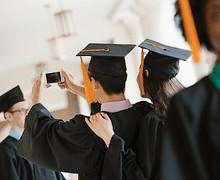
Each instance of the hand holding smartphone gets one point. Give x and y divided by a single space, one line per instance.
53 77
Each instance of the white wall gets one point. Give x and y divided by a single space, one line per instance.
25 29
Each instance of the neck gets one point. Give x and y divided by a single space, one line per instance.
112 98
17 129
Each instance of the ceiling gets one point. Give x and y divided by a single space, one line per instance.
26 27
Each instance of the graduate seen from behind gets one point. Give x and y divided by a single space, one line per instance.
12 166
192 146
157 81
71 146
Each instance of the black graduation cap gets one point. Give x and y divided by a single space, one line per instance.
107 59
162 61
10 98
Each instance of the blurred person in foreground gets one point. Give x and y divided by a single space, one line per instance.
192 145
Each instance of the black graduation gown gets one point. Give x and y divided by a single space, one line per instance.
13 167
122 163
71 146
192 144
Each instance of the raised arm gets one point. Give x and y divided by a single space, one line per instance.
65 146
71 84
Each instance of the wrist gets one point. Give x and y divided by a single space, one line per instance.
108 138
79 90
35 100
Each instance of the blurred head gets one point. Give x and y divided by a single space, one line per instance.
207 20
14 107
16 115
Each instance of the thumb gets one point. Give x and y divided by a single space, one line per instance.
105 116
88 123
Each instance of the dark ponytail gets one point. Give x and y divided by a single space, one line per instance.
160 91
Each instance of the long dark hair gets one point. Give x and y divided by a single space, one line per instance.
160 91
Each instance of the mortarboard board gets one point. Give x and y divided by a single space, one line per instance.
106 60
162 61
164 50
10 98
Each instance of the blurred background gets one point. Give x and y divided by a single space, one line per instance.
45 35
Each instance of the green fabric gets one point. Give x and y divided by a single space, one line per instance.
215 76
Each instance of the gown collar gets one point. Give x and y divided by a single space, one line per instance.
15 134
215 76
116 106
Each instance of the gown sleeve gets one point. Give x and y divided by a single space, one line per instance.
122 163
64 146
8 169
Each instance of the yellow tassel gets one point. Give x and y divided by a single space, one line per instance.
190 29
90 95
141 74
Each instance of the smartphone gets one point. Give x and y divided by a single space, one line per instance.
54 77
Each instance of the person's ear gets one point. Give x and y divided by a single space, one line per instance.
95 84
146 72
7 116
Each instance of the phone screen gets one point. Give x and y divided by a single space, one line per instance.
54 77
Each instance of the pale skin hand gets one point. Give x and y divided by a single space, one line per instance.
101 125
71 84
5 127
37 89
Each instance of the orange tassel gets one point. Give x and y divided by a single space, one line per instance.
141 74
90 95
190 29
